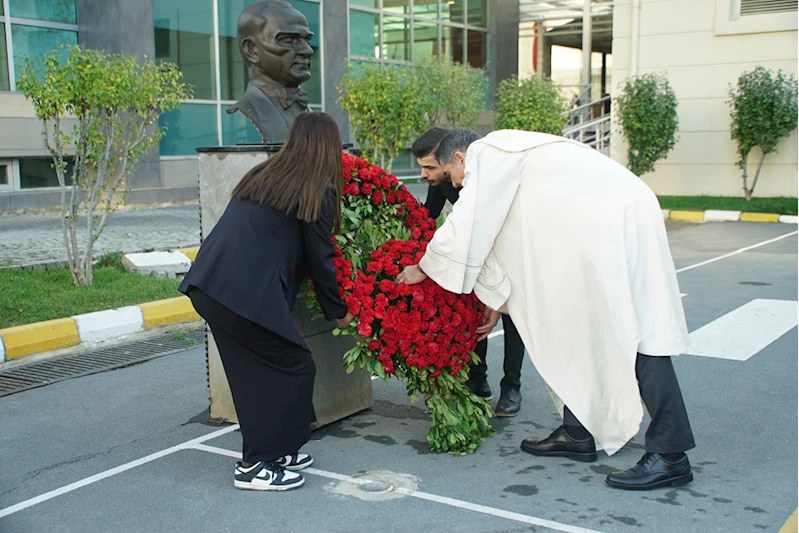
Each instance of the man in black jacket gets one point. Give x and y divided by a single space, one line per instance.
440 190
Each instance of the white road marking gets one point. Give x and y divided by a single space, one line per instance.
736 252
742 333
452 502
112 472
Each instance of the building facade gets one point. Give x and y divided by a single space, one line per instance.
199 36
703 46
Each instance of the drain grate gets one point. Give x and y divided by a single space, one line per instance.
30 376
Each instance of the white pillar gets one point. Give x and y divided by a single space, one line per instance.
587 35
539 30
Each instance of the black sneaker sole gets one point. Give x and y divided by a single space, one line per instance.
507 415
574 456
670 482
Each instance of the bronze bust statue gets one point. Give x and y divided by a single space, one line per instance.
274 41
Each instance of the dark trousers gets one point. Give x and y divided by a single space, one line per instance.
271 380
669 431
514 357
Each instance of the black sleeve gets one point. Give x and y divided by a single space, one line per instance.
321 252
435 200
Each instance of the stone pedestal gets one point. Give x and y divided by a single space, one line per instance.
336 393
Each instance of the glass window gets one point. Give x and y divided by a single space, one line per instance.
31 41
4 83
233 69
187 127
364 34
397 6
237 129
477 14
402 161
425 8
5 174
396 38
425 40
453 11
476 55
366 3
184 35
50 10
38 172
452 43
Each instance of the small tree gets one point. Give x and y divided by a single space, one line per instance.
385 107
533 104
453 93
115 101
647 112
763 110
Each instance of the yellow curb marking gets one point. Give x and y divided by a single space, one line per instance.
166 312
790 525
191 253
695 216
40 337
759 217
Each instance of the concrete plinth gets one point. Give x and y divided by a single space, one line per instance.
336 393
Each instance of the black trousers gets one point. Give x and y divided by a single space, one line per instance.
669 431
271 380
514 357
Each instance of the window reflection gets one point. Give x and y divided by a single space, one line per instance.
396 38
364 34
425 40
49 10
478 13
187 127
452 43
4 82
476 53
184 35
453 11
397 6
425 8
33 41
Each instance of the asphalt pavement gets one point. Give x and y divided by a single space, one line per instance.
132 450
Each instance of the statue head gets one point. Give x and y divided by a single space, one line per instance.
274 41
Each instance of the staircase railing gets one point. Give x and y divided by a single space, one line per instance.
590 124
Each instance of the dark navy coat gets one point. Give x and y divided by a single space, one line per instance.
255 259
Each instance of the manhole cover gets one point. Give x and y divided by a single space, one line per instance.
376 487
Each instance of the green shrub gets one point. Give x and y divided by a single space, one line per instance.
647 112
763 110
452 93
533 104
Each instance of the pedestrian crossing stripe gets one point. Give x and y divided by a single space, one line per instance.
742 333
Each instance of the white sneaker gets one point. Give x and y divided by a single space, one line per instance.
265 476
295 462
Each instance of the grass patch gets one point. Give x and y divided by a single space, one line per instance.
35 295
780 206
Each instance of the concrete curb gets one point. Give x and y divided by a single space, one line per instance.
715 215
21 341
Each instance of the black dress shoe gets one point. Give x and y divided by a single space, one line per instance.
480 389
509 404
652 471
560 444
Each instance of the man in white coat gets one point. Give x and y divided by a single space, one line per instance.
573 247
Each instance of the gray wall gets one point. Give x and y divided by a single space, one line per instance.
503 55
335 47
126 26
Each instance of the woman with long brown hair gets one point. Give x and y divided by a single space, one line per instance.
275 232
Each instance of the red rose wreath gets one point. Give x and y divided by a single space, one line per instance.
419 333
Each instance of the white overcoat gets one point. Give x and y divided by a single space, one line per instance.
573 247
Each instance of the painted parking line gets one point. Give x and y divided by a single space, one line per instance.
189 444
452 502
736 252
742 333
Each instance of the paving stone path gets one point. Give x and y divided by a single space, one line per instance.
36 239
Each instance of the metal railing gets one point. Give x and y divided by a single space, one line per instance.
590 124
